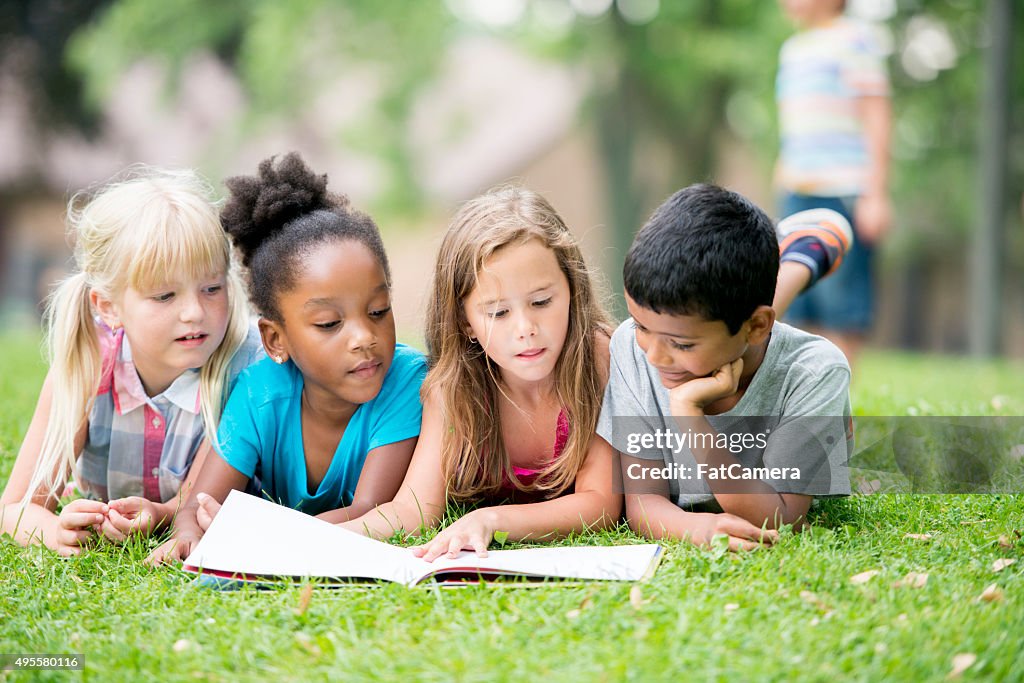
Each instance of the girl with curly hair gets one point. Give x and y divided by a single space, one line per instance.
328 422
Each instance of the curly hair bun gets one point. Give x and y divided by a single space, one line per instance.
260 206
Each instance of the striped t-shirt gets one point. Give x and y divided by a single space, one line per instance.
822 73
139 445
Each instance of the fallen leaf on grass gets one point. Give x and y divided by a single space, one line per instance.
812 599
1002 563
731 607
304 598
307 644
584 604
636 597
992 593
961 663
912 580
918 537
181 645
869 487
1004 542
863 577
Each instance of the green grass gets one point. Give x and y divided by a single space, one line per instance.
781 614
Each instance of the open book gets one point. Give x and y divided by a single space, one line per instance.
253 539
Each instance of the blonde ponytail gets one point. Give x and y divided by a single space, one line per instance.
74 355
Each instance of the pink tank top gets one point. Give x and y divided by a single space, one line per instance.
527 475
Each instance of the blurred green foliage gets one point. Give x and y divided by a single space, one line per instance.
697 74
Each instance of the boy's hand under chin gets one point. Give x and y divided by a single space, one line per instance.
690 398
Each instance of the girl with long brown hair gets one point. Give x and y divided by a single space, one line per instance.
518 353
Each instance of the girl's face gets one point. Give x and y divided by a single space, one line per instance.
519 310
171 327
337 323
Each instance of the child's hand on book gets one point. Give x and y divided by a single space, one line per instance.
689 398
471 532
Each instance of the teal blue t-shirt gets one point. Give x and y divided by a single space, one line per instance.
260 432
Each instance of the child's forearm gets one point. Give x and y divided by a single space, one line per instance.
165 513
552 519
29 524
348 513
657 518
751 499
876 114
184 519
383 521
770 510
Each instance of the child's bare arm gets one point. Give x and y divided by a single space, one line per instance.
657 517
650 512
37 522
753 500
420 499
873 212
216 478
382 474
593 504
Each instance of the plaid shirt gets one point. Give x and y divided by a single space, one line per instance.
139 445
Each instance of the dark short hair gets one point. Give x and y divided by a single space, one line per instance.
705 251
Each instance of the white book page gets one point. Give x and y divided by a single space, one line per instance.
607 563
257 537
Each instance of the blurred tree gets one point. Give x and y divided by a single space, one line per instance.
32 40
284 52
690 73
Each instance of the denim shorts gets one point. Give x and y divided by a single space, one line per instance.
844 301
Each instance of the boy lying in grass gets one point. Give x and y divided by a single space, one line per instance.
728 422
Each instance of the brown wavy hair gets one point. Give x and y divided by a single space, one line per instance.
474 460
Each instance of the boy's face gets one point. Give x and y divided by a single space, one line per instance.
684 347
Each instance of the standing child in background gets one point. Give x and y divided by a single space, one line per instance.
518 347
834 118
330 419
144 343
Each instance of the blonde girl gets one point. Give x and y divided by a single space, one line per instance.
143 343
518 352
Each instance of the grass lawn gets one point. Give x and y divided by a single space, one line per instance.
787 613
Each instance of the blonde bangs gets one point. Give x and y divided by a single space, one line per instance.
178 242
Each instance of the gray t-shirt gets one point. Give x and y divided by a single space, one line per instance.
791 428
